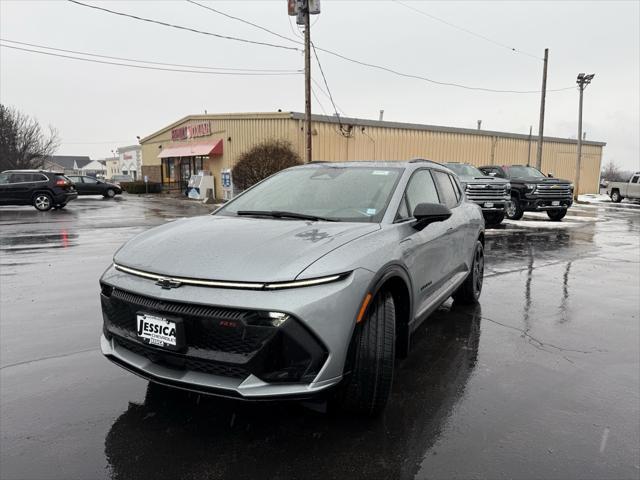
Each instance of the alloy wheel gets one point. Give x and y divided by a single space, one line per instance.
42 202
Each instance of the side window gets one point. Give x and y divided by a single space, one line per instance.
4 178
445 189
89 180
39 177
456 188
20 178
75 179
421 189
635 179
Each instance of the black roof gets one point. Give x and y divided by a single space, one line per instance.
67 161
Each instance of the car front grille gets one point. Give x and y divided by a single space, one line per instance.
485 192
221 341
556 190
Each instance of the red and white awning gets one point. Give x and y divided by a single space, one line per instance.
192 149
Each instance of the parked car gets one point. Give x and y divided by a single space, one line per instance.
492 194
91 186
619 190
118 179
40 188
532 190
308 284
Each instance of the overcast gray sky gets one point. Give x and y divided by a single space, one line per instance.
98 107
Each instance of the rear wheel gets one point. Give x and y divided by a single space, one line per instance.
470 290
369 384
110 193
557 215
616 197
494 219
42 202
514 209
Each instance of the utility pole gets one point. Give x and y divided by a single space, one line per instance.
307 81
529 148
542 101
582 81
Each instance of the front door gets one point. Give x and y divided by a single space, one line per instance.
185 173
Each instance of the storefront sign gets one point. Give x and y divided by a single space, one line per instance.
191 131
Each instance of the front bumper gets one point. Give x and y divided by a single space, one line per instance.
324 313
531 203
493 205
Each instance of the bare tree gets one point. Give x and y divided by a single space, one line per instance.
23 143
262 160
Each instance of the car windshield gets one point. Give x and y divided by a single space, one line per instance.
522 171
347 194
464 170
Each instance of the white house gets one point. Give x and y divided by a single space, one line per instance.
130 161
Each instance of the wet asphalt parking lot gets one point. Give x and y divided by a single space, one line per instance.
540 380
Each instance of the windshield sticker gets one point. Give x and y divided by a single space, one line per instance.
371 211
380 172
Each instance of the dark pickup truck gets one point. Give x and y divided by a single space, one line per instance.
533 191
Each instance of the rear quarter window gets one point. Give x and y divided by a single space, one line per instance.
446 192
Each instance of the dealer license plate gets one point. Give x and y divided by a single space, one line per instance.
488 205
555 203
157 331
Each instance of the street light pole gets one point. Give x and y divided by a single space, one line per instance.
542 106
307 81
582 81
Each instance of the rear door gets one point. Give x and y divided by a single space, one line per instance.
634 187
23 185
92 186
77 183
456 225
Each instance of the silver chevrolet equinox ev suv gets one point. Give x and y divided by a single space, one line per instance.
307 285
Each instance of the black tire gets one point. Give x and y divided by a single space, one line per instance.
471 288
556 215
42 201
615 196
494 219
369 384
110 193
514 210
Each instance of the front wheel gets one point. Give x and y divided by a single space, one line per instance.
110 193
556 215
470 290
514 209
43 202
616 197
369 384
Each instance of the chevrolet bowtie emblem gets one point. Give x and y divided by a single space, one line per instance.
168 283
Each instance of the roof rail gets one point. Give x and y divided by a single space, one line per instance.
416 160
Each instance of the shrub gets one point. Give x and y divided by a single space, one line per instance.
140 187
262 160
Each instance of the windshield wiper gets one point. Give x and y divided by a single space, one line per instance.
280 214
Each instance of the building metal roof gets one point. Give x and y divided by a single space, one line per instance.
68 162
364 123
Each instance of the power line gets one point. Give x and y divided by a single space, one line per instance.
483 37
313 92
264 29
145 67
319 87
180 27
152 62
391 70
326 84
336 54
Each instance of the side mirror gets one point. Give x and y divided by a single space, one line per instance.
550 175
426 213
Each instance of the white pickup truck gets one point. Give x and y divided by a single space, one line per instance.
619 190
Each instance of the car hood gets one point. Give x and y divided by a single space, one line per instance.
539 180
237 249
483 179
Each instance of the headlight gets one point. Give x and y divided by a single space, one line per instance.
571 186
507 187
530 186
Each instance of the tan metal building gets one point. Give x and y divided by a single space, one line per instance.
214 142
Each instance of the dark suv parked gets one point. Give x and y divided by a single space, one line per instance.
91 186
39 188
532 191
